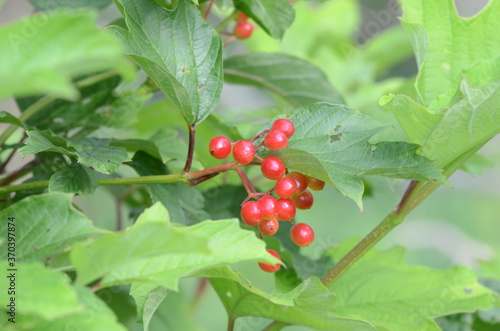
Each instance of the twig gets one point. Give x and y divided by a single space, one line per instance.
189 158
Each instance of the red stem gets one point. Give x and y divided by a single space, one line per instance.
209 7
189 158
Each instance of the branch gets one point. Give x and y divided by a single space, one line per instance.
189 158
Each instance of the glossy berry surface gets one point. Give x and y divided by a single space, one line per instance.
251 213
302 234
303 200
241 17
272 168
285 187
285 126
300 180
269 227
220 147
315 184
271 267
268 206
243 152
275 140
285 209
243 30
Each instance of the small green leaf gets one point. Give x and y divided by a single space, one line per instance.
68 45
179 50
298 81
309 304
6 117
73 179
99 155
40 291
274 16
331 143
45 224
446 44
44 141
148 296
384 291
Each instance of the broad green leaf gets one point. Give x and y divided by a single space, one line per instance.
45 225
44 141
67 45
99 155
94 314
384 291
331 143
135 145
274 16
40 292
101 256
179 51
309 304
157 252
184 203
449 133
74 179
6 117
446 44
296 80
73 4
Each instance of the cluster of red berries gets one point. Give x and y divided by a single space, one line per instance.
266 211
242 29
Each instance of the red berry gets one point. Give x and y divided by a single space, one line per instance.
300 179
272 168
286 209
285 126
303 200
219 147
251 213
285 187
269 227
268 206
275 140
271 267
241 17
243 30
302 234
315 183
243 152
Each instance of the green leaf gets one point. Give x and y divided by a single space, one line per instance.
45 225
331 143
6 117
67 45
135 145
40 291
73 179
44 141
99 155
384 291
148 296
184 203
179 50
172 148
449 133
93 314
274 16
63 115
309 304
45 5
298 81
446 44
155 251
